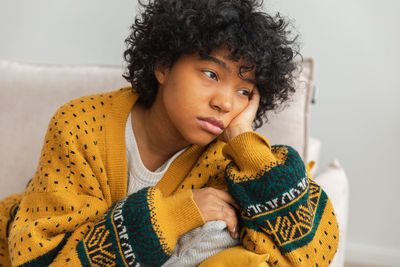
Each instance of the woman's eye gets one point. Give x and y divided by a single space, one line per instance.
245 92
210 74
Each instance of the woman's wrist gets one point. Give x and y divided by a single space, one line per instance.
250 151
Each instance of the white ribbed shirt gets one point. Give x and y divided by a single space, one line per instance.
138 175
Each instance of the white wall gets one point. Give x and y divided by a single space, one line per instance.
65 31
355 45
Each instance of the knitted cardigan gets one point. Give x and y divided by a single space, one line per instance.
76 212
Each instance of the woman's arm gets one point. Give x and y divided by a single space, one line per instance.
284 213
66 216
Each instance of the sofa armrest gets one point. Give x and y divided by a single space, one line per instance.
334 181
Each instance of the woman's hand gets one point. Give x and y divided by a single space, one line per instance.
215 205
242 123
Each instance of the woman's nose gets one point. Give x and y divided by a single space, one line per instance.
222 100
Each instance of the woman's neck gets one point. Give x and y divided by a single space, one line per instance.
157 141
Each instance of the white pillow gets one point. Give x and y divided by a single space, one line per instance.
291 125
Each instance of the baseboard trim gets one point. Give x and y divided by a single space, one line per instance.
372 256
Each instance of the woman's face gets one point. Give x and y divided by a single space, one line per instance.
201 95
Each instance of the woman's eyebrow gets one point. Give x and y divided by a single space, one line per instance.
250 81
215 60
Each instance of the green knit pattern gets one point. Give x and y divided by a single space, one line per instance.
282 202
124 236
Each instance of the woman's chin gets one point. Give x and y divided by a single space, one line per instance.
201 139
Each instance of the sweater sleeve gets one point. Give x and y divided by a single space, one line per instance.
66 216
284 213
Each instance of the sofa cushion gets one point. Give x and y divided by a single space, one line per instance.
290 124
29 96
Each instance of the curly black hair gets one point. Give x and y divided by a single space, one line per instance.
168 29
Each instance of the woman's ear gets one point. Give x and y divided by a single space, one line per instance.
161 73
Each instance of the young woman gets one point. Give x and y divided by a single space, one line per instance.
169 171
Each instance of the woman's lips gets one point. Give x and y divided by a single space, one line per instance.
211 125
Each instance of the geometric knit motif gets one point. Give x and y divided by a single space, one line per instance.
96 248
296 228
126 228
280 201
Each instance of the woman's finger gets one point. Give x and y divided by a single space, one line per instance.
226 213
254 102
216 204
225 196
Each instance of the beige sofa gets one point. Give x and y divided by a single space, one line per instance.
31 93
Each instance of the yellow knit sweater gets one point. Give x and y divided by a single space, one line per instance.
76 211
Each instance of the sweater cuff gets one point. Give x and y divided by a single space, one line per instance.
249 151
183 212
174 216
